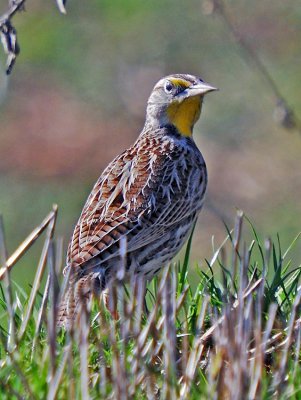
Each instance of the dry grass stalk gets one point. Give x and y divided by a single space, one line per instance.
163 353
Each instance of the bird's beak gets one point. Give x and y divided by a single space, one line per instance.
199 89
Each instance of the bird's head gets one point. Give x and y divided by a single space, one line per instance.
177 100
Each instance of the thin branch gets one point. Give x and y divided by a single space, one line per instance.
39 273
16 5
8 32
283 113
28 242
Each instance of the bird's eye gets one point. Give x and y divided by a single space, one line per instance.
168 87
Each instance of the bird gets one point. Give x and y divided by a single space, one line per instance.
146 200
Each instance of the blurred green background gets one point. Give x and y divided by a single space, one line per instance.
77 96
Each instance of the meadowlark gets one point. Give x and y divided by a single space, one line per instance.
149 196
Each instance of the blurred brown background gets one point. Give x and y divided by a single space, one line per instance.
77 96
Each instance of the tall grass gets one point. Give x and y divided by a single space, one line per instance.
233 334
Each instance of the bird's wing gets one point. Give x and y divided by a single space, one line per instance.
138 196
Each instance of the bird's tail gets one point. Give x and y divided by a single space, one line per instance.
75 300
67 310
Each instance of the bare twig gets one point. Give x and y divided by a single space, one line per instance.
7 290
283 113
40 272
53 388
40 316
28 242
8 32
61 5
53 294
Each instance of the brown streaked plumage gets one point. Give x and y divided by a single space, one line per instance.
149 196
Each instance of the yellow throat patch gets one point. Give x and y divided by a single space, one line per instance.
184 115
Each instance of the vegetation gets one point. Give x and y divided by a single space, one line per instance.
226 329
234 333
77 94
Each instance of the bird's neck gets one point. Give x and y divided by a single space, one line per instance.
185 114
